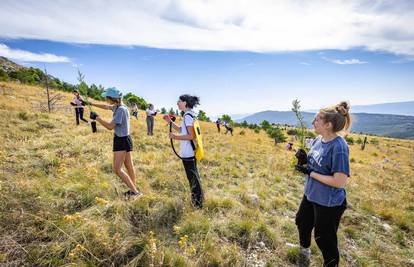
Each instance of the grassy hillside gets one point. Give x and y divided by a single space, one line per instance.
61 204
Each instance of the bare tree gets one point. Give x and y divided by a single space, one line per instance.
52 99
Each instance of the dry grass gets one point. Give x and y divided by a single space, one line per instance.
61 204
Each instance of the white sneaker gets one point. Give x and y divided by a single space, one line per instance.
304 257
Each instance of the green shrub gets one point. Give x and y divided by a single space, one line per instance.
242 231
23 115
276 134
292 255
349 140
374 141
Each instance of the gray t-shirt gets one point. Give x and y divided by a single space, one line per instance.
121 120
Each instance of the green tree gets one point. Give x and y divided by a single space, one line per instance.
95 92
202 116
163 110
3 75
172 112
227 118
82 86
265 125
299 116
276 134
349 139
131 99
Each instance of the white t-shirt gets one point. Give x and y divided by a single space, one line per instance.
78 100
186 150
150 112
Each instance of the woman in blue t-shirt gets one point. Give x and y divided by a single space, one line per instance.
122 145
327 172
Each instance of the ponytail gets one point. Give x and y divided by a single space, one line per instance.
338 116
191 101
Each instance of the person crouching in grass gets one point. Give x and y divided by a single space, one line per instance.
122 144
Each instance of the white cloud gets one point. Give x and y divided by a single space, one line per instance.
26 56
346 61
262 25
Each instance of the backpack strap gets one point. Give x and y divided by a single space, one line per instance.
191 141
173 148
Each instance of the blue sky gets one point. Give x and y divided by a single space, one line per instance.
222 53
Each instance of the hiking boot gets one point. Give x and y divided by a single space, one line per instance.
304 257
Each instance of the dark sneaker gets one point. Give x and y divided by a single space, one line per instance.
131 195
127 193
135 195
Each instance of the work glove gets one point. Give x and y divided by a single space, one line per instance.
84 102
303 169
301 156
93 115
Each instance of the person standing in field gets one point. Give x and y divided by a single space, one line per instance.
122 144
327 172
135 111
78 103
151 113
186 103
218 122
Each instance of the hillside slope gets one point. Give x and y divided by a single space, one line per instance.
61 204
396 126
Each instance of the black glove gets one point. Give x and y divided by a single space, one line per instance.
93 115
303 169
84 103
301 156
73 104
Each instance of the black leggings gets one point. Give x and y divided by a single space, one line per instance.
197 196
79 115
325 220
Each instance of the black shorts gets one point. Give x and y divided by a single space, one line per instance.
122 143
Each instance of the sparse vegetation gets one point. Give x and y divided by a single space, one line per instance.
60 202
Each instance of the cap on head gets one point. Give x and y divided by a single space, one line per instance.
112 92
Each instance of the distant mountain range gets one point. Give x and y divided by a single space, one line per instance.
396 108
397 126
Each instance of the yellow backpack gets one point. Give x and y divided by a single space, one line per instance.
197 144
